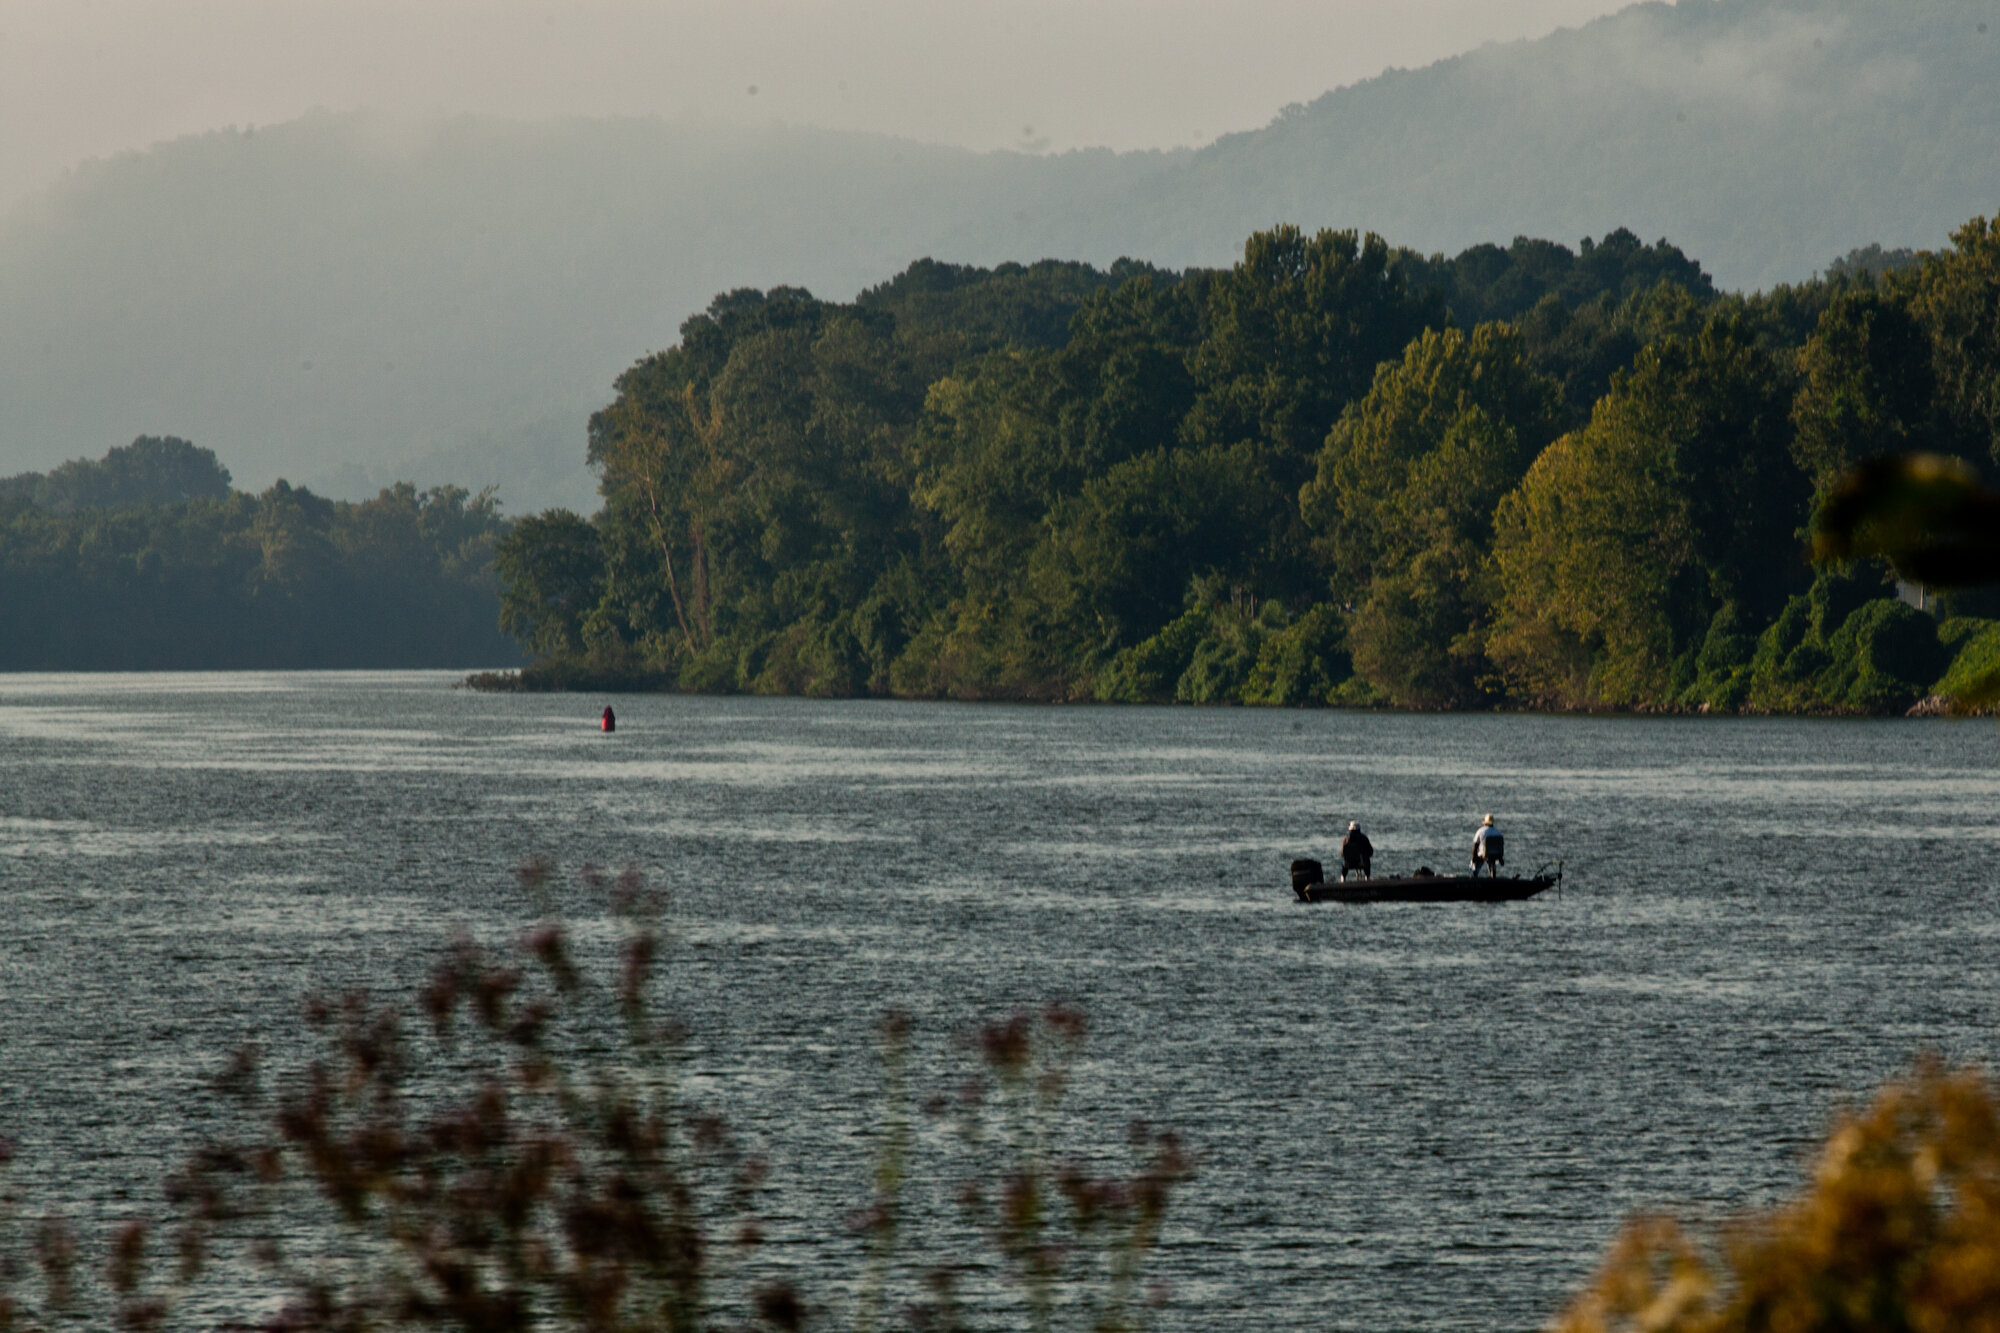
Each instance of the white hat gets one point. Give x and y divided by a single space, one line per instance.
1353 826
1488 821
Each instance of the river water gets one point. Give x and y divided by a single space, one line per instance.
1404 1117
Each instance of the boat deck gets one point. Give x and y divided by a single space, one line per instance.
1428 889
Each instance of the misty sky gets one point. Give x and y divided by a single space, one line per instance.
86 78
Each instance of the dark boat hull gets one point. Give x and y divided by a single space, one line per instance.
1428 889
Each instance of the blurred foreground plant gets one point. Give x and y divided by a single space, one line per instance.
1932 520
552 1179
1899 1229
1074 1241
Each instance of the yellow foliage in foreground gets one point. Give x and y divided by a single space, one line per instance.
1899 1230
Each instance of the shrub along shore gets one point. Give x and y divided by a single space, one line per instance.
1839 649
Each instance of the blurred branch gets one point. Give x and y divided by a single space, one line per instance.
1927 515
1898 1228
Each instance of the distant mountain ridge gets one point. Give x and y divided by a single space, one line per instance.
1765 137
345 300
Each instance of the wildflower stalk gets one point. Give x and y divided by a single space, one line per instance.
879 1223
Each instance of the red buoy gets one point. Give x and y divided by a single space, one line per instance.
610 722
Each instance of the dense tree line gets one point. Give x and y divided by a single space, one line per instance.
146 559
1336 472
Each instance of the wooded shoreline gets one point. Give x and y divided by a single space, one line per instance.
1339 473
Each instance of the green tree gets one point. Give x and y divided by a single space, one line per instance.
1440 437
1581 349
1403 501
553 568
1017 430
1120 555
1718 409
1587 552
1867 384
989 466
1295 331
152 470
1627 538
1958 301
282 579
1485 282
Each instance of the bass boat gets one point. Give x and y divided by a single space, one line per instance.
1310 885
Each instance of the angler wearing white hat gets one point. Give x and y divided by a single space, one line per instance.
1489 848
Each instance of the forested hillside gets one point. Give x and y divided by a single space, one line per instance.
345 300
1337 472
146 559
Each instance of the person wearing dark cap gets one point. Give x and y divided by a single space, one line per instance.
1489 849
1356 852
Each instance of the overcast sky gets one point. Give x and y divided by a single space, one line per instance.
86 78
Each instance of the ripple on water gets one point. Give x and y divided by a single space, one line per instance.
1405 1117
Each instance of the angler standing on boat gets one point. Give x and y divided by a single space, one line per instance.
1356 853
1489 849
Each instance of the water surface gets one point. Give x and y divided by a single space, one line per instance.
1407 1117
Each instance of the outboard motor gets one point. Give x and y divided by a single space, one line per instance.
1305 874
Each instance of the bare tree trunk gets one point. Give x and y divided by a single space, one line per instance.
704 616
667 554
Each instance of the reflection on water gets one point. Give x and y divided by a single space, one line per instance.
1408 1117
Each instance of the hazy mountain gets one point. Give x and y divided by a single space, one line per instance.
341 297
345 299
1765 137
